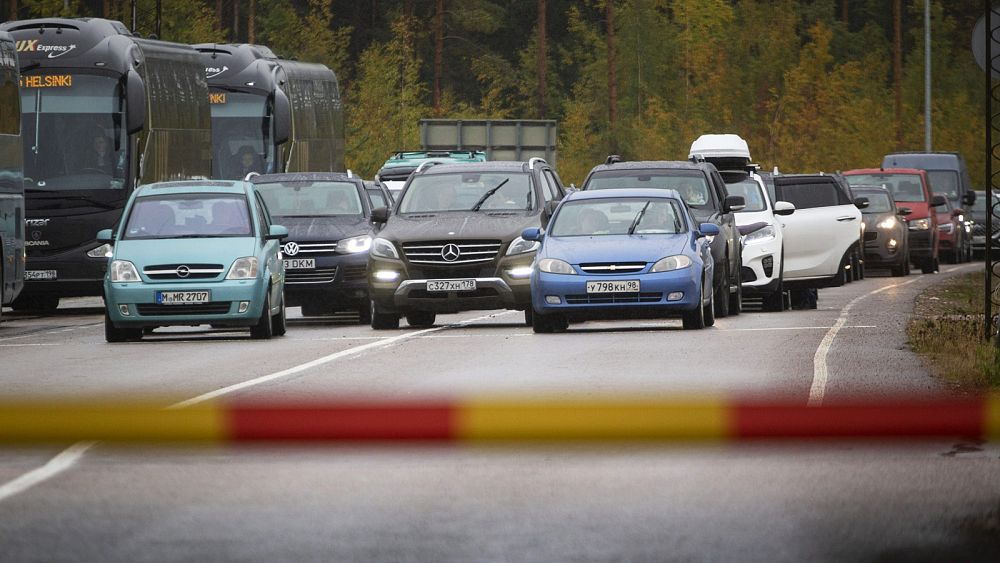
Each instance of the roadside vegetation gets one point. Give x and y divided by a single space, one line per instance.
947 329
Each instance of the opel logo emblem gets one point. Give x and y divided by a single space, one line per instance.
450 252
183 271
291 248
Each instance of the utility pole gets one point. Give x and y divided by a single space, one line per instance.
159 18
135 16
927 76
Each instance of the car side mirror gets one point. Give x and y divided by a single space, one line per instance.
532 234
904 211
783 208
380 215
548 211
709 229
733 203
135 95
106 236
276 232
861 202
969 198
938 201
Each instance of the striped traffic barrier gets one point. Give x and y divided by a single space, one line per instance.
499 419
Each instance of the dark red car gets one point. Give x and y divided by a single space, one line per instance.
952 236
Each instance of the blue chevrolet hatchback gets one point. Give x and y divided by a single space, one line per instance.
627 253
191 253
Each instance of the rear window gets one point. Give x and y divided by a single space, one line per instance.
877 203
807 195
691 184
904 187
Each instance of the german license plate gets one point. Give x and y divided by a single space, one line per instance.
621 286
181 297
451 285
39 274
300 263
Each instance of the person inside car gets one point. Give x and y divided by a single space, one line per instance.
691 194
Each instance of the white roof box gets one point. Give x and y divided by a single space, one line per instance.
720 146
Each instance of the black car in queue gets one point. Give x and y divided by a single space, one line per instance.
703 189
328 216
886 233
378 195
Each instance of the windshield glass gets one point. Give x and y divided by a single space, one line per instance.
877 202
751 192
599 217
189 216
241 134
944 182
311 199
478 191
376 199
72 132
691 184
904 187
980 203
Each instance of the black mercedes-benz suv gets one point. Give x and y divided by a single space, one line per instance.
328 216
704 190
453 242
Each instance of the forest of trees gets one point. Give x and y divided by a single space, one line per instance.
812 85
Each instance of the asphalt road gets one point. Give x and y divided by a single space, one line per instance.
752 501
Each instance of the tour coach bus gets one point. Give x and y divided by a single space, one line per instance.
102 112
11 183
271 115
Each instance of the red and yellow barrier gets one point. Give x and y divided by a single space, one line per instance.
500 419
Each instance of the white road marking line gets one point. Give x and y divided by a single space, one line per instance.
60 463
790 328
321 361
28 344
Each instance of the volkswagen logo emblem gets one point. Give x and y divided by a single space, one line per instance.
183 271
291 248
450 252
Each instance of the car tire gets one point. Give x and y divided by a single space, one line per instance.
365 313
721 296
899 270
420 319
708 311
855 266
546 324
735 299
279 322
264 329
115 334
383 320
36 304
316 310
928 266
695 318
842 275
529 315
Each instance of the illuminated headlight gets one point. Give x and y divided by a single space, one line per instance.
760 235
520 246
103 251
920 224
887 223
555 266
946 228
123 271
892 244
384 249
243 269
671 263
520 272
386 275
354 245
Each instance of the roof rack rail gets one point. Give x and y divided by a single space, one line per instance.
426 164
613 159
533 160
697 158
349 173
775 172
250 175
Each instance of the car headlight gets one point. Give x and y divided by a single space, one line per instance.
555 266
946 228
103 251
123 271
920 224
760 235
671 263
354 245
243 269
384 249
520 246
887 223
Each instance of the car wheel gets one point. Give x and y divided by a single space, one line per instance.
721 296
708 311
695 318
842 275
899 269
115 334
855 266
263 330
736 299
420 318
928 266
529 314
383 320
365 313
278 322
544 324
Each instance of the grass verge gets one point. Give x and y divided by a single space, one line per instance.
947 330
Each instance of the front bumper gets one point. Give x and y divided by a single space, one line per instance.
922 244
337 281
650 302
761 268
223 308
879 251
77 275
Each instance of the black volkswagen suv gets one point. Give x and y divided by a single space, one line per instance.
328 216
703 189
453 242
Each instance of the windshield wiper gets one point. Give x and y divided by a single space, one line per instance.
488 195
638 217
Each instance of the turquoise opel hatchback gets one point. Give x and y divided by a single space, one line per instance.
191 253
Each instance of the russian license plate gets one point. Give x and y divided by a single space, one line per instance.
39 274
181 297
300 263
451 285
622 286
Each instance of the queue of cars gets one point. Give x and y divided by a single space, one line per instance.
640 239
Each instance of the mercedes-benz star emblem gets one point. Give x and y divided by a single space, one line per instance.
450 252
291 248
183 271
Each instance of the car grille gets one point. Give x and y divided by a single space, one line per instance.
601 298
319 275
445 273
210 308
871 235
481 292
355 273
310 247
614 268
469 251
195 271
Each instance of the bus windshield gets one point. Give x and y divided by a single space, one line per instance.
241 134
73 133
